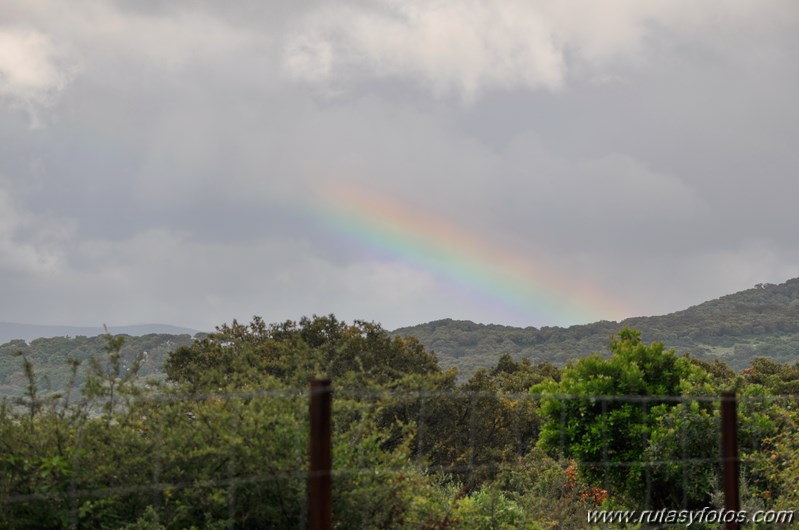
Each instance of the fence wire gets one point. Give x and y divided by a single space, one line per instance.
355 404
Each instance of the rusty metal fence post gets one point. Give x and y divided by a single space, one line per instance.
320 506
729 454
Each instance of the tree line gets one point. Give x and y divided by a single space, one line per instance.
737 328
222 442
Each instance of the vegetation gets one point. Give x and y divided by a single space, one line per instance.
52 356
735 329
222 442
604 434
759 322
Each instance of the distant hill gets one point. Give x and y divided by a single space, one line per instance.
27 332
762 321
50 347
50 358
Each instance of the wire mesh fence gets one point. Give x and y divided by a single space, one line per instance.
238 459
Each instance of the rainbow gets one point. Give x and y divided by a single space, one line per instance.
534 292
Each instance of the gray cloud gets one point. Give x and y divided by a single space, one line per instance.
177 174
33 71
468 48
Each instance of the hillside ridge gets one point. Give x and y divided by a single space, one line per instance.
21 331
760 321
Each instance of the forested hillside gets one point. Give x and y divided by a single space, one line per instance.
13 331
759 322
52 356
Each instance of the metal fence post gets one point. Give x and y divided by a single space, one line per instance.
729 454
320 506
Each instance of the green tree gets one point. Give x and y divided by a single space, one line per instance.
360 354
605 412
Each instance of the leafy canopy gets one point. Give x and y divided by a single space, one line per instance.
293 352
609 437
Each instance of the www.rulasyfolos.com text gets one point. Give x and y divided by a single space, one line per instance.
706 515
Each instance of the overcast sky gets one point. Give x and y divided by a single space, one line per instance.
518 162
